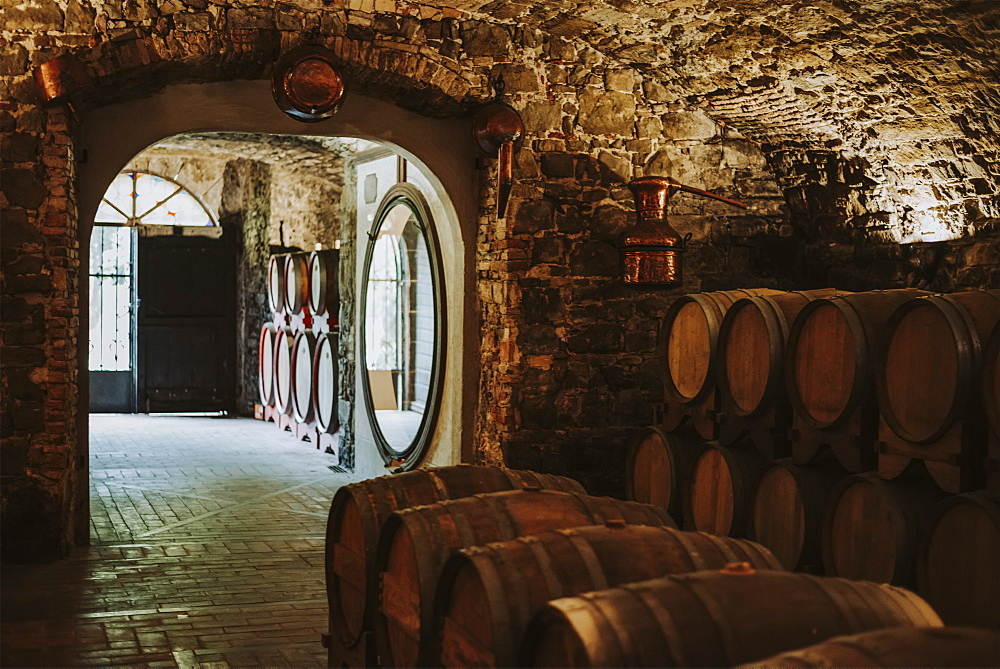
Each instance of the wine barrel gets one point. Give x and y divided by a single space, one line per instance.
487 594
931 361
752 346
284 341
711 618
830 361
296 282
658 467
991 405
871 527
325 383
276 282
689 336
415 543
358 511
720 488
958 570
896 647
786 510
303 349
324 285
265 363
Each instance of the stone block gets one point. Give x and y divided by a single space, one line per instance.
30 283
533 215
597 338
23 188
689 125
22 356
558 165
594 259
542 117
607 113
483 39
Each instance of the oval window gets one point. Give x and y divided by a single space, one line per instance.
402 327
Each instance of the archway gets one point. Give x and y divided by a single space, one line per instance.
441 149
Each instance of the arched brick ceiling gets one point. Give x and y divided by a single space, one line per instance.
823 71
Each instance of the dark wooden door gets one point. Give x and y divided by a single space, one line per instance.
186 325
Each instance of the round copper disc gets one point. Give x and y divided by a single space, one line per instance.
306 84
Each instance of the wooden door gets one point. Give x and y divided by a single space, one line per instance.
186 324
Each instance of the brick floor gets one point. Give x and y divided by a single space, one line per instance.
207 550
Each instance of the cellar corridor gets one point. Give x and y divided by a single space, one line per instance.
206 549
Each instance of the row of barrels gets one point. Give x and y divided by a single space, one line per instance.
821 518
483 566
304 282
879 378
298 349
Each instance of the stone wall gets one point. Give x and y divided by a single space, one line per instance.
845 140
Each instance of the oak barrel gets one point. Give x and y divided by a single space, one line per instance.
689 336
284 341
711 618
325 382
991 404
358 511
303 349
929 371
786 511
830 361
752 347
896 647
720 487
265 363
658 466
415 543
487 594
872 527
296 282
276 282
324 291
958 570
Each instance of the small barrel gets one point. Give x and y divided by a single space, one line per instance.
359 510
831 353
486 594
276 282
326 383
958 569
786 511
284 346
296 282
265 363
991 381
658 466
720 488
711 618
303 349
752 348
324 291
872 527
896 647
931 360
416 542
689 335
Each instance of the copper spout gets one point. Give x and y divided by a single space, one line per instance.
499 130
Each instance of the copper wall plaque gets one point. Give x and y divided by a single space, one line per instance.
652 249
306 84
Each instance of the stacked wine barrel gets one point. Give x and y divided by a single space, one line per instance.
297 352
853 434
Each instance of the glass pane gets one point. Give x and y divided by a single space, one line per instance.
150 192
121 195
106 213
110 298
181 209
400 326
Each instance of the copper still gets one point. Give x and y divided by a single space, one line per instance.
652 249
499 130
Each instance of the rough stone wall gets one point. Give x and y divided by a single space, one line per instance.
846 127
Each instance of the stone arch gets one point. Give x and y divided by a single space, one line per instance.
133 66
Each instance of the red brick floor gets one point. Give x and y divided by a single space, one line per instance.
207 550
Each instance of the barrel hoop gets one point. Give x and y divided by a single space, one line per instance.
544 560
927 615
488 565
723 547
439 485
593 509
717 612
501 516
590 560
665 621
841 599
